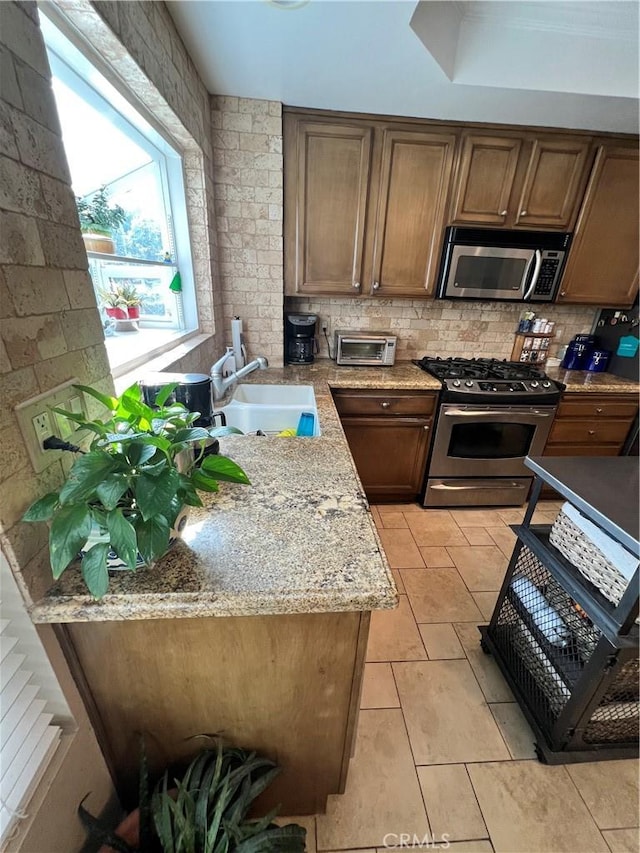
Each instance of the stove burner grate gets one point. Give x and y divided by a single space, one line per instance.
477 368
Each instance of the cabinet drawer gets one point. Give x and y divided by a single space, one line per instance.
381 403
589 432
598 407
582 450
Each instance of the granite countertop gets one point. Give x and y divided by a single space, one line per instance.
584 380
300 539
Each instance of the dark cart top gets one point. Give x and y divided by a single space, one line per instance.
604 489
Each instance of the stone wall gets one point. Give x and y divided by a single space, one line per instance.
248 177
50 331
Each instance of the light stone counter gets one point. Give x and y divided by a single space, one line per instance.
300 539
598 383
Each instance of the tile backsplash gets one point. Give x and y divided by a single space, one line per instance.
440 327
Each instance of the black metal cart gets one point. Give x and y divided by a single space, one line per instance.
570 655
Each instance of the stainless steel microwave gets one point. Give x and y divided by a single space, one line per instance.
375 349
493 264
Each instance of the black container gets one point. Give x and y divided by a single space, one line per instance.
299 338
193 391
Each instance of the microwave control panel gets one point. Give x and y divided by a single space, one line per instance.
549 270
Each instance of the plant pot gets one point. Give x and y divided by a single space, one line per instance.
133 312
116 313
114 563
128 830
99 243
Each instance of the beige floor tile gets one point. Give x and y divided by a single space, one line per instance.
378 687
622 840
542 517
482 567
309 823
476 517
486 601
382 793
439 595
528 806
447 718
436 557
398 579
452 807
515 730
477 536
376 516
393 519
490 679
402 552
435 527
610 790
504 538
441 641
394 635
411 507
512 516
470 847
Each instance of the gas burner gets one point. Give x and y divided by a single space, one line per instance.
478 368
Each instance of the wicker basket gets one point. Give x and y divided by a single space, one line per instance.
587 558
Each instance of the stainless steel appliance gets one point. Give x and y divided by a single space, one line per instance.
365 348
193 390
300 342
493 264
492 414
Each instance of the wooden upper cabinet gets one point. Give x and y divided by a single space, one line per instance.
554 184
415 174
327 184
486 172
520 181
602 268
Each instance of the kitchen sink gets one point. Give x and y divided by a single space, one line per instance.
270 408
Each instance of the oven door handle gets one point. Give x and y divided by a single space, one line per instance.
457 413
536 273
447 487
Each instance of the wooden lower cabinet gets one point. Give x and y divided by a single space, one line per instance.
589 424
288 686
389 434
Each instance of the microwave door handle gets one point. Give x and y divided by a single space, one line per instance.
536 273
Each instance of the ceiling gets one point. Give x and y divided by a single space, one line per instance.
554 63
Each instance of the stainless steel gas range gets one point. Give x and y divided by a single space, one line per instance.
492 414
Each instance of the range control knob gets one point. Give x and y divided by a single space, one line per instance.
456 383
534 384
469 383
546 384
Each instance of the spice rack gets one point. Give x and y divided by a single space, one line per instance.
531 347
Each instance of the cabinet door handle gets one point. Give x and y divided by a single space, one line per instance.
599 411
425 428
523 213
385 405
503 212
376 285
592 432
563 293
356 285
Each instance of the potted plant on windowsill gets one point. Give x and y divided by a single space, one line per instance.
98 221
121 302
125 498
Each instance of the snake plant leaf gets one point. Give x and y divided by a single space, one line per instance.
111 490
100 833
153 537
154 494
87 473
111 403
42 509
94 569
69 531
223 468
280 838
122 536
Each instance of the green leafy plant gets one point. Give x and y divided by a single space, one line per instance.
142 467
205 810
120 296
97 216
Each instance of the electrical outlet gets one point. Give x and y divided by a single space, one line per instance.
37 422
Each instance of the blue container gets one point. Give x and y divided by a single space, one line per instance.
598 360
306 424
577 355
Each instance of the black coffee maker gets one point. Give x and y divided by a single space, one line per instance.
299 338
193 391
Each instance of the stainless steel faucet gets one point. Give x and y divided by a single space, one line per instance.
222 384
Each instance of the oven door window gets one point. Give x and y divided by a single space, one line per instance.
490 440
362 350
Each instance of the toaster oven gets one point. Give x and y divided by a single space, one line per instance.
369 349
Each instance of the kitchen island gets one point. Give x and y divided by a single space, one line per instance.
255 625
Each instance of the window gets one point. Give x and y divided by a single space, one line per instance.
142 271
